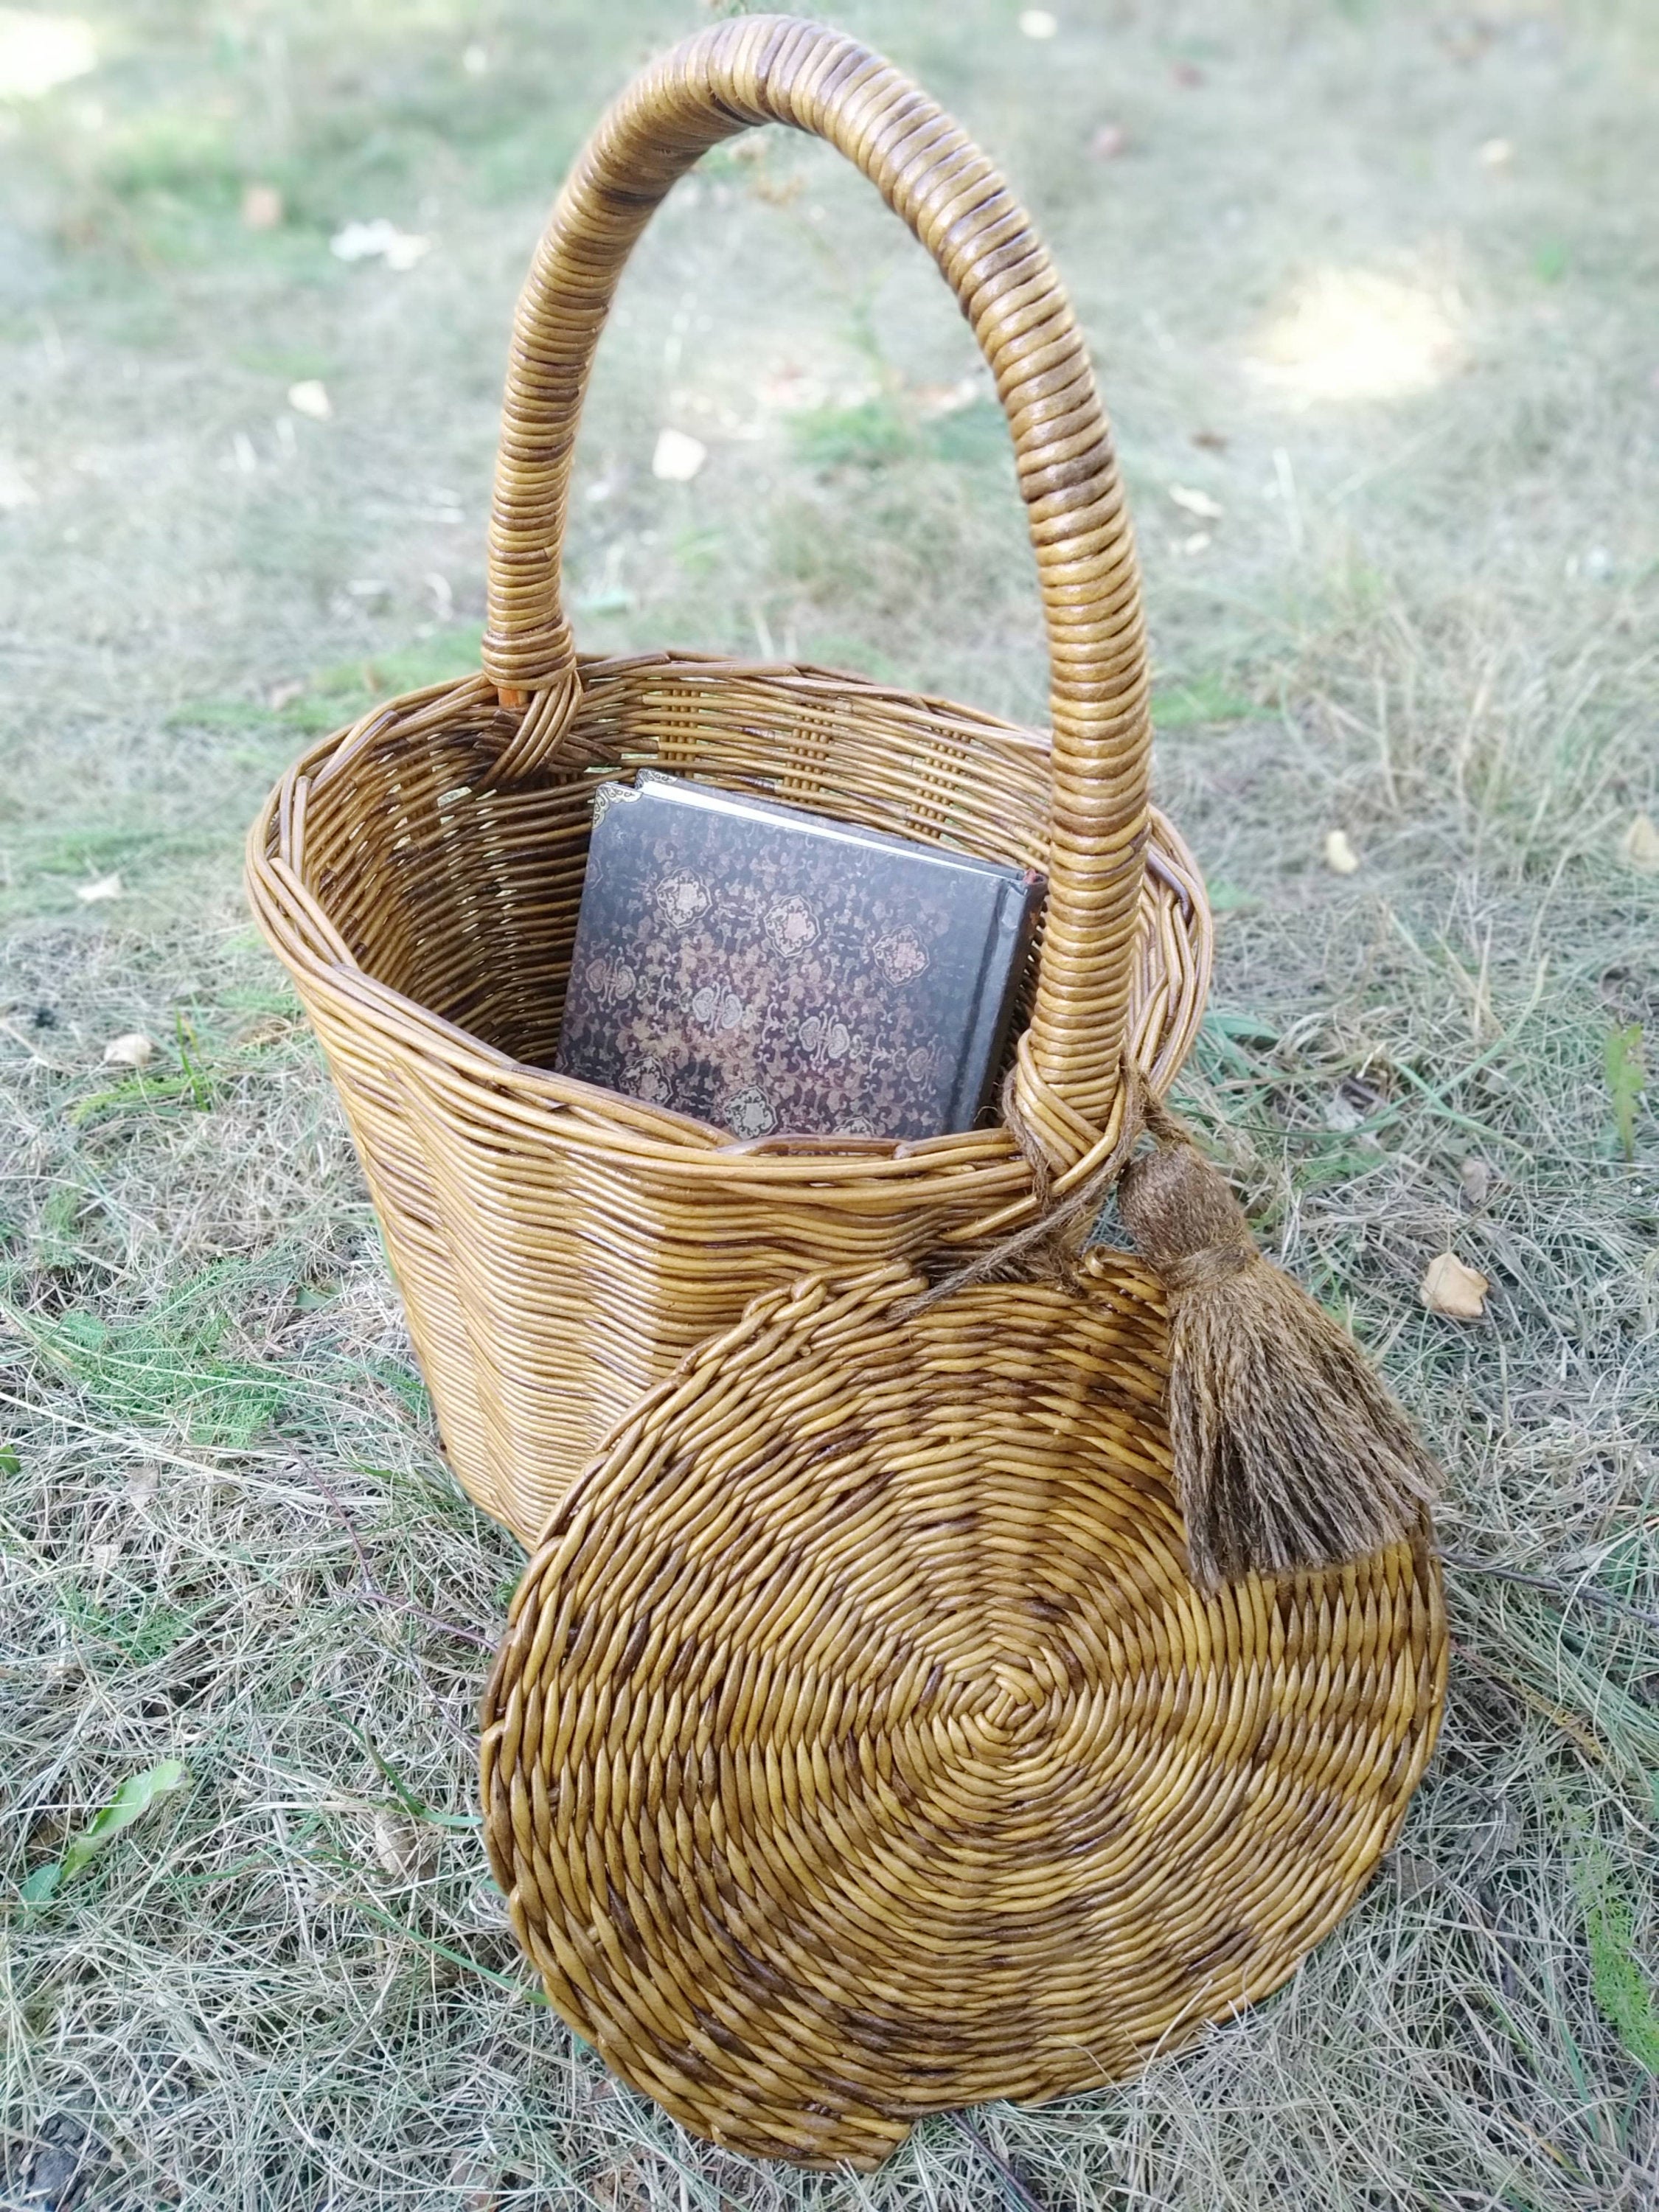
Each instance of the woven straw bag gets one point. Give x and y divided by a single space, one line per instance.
862 1744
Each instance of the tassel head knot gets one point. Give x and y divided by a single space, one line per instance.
1176 1206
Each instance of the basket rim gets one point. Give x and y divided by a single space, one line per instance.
587 1117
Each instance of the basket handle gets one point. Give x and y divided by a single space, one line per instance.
752 69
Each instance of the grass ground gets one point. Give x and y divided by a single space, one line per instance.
1374 279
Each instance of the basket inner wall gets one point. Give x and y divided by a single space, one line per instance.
464 898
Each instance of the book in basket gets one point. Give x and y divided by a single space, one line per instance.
774 972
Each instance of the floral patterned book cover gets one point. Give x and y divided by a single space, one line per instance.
775 972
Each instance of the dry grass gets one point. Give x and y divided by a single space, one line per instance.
1426 618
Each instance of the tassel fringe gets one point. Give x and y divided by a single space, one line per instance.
1289 1451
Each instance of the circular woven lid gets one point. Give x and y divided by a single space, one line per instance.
860 1748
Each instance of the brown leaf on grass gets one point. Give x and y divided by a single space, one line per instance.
1340 857
1414 1873
1450 1288
133 1049
270 1028
261 208
678 456
1193 501
398 1846
1476 1177
1639 846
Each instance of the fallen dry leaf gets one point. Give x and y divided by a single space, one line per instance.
1640 845
133 1049
406 1848
1450 1288
1340 857
678 456
309 397
1476 1177
107 887
1413 1872
379 241
397 1846
270 1028
15 489
261 208
1199 503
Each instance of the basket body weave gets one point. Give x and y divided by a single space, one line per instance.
558 1248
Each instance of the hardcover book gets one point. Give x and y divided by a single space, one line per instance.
775 972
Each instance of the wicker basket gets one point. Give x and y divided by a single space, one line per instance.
560 1248
861 1745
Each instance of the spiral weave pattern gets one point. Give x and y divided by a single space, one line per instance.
861 1748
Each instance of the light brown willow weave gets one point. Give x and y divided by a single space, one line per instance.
559 1247
861 1747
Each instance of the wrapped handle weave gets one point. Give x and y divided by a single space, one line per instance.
773 69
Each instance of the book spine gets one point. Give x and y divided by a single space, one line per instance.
1007 947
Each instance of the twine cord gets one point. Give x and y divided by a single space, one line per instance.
1048 1236
1191 1271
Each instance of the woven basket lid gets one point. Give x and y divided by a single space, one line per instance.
860 1748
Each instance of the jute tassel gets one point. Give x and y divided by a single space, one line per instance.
1289 1452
